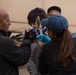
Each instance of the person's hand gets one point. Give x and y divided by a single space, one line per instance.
43 38
31 35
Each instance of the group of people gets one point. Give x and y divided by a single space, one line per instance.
36 47
47 49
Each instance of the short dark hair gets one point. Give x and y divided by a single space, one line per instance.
32 15
54 8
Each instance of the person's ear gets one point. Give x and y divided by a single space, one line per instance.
51 34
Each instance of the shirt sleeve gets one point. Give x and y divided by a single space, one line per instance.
31 65
14 54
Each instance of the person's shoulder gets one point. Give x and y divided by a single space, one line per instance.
34 44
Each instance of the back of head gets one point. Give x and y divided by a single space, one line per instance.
54 8
32 15
57 23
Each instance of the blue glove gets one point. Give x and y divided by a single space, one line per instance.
43 38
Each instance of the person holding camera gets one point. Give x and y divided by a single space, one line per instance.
11 55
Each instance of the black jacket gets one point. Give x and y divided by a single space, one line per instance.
47 63
12 56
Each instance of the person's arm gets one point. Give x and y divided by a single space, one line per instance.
16 55
32 69
31 65
42 63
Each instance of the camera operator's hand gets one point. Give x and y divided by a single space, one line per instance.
43 38
31 35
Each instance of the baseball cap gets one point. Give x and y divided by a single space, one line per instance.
56 23
44 22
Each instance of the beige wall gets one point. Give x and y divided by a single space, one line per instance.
18 10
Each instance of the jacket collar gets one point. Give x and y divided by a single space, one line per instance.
3 33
